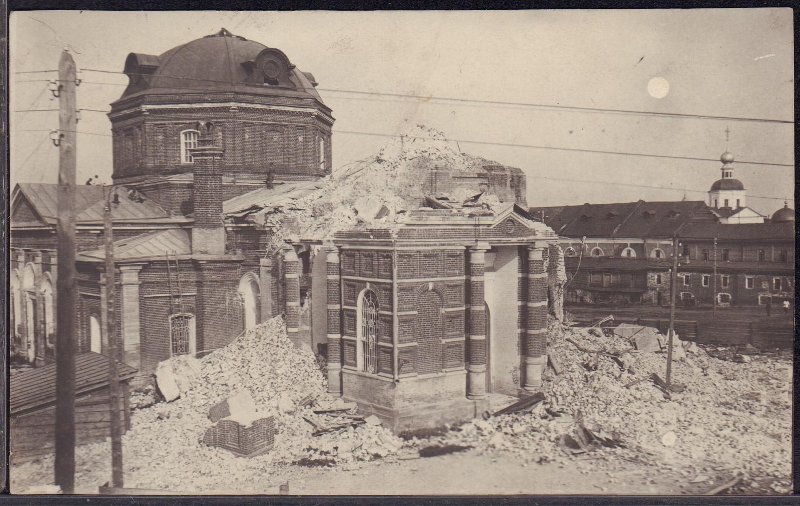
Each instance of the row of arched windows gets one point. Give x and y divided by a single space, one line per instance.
628 252
31 313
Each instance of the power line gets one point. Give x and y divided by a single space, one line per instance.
529 146
500 102
35 150
579 150
565 107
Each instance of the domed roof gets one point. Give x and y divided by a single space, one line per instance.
726 157
727 184
783 214
222 62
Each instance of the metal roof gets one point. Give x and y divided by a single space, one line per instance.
36 388
282 195
149 245
623 219
44 198
215 63
781 231
126 210
89 204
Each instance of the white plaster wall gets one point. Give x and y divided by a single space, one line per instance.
500 293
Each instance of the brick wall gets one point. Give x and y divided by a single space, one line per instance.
253 139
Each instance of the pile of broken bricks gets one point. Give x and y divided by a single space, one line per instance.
605 397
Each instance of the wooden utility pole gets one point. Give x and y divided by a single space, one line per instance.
111 340
673 281
65 315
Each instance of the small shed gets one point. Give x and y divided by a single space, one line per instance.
33 399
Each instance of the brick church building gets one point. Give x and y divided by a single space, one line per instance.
200 124
419 320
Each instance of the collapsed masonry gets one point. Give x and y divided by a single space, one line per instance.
414 272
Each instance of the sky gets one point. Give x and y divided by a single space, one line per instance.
735 63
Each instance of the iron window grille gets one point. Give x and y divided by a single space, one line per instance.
180 334
369 331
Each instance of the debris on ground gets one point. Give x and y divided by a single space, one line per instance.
260 375
716 418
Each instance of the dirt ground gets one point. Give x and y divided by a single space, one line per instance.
471 473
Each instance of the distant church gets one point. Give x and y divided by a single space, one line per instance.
728 198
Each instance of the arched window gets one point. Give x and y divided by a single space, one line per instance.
188 141
657 253
49 319
570 252
249 292
597 252
95 335
430 331
367 332
181 334
629 253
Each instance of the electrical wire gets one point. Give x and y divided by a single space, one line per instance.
530 176
492 102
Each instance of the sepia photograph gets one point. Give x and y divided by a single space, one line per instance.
393 253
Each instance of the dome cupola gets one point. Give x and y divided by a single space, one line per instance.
784 214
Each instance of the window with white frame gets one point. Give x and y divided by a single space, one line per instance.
657 253
724 280
570 252
629 253
706 280
777 284
188 141
659 279
749 282
597 252
687 279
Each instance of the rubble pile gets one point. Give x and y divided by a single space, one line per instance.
720 417
259 375
378 191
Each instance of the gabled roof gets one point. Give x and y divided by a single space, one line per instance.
36 388
43 197
145 246
623 219
89 204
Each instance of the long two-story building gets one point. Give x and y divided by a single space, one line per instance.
621 253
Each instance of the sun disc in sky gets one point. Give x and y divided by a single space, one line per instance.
658 87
